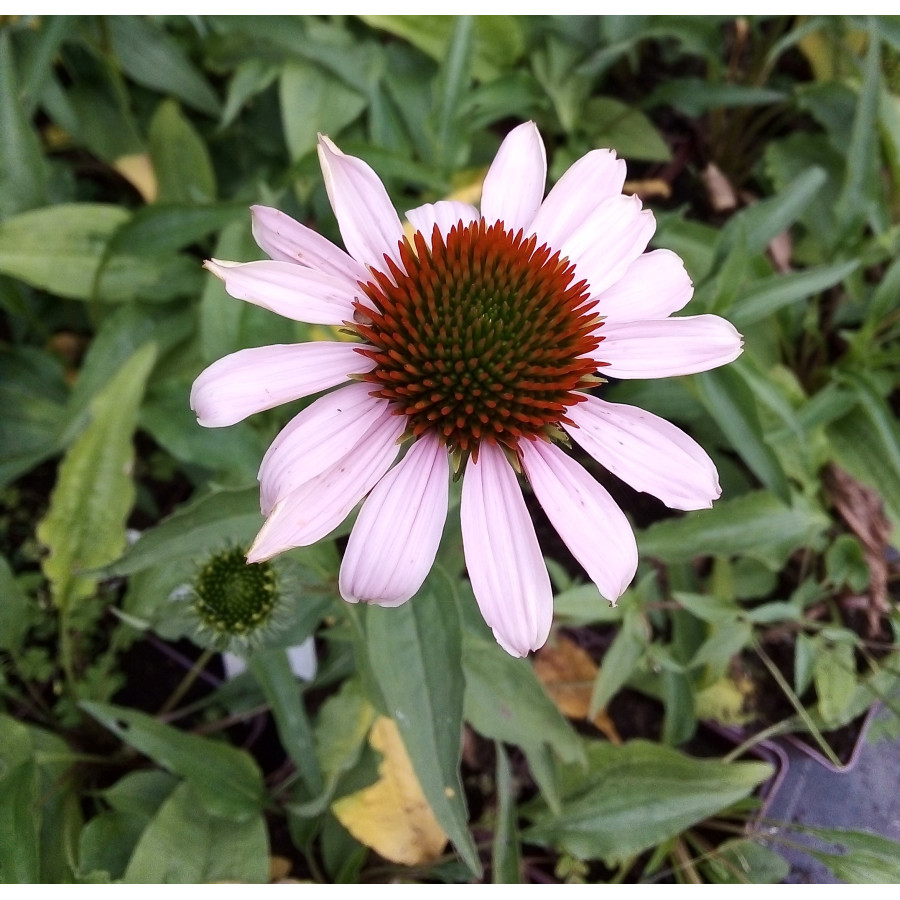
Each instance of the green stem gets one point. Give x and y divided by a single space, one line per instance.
186 682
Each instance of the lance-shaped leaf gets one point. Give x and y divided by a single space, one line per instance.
85 525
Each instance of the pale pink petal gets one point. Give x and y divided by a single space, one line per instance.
396 536
654 286
298 293
320 504
368 221
584 186
285 239
607 242
309 444
514 185
659 348
646 452
503 558
586 517
445 214
250 381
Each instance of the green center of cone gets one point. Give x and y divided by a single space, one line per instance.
232 597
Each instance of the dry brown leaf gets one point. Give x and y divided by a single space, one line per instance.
781 251
568 673
646 188
279 868
392 816
721 192
861 508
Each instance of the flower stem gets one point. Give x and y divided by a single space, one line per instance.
185 685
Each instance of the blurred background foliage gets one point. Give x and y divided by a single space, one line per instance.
130 149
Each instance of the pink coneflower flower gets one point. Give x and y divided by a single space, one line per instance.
477 342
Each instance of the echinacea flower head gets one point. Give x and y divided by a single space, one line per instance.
477 343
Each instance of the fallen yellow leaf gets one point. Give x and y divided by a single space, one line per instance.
568 673
137 169
392 816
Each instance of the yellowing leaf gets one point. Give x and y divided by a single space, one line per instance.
392 816
137 169
568 673
726 701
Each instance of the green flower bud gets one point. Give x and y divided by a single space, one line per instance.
234 599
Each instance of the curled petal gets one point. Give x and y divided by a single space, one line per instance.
286 240
505 566
606 243
660 348
320 504
584 186
298 293
250 381
586 517
368 221
514 185
445 214
646 452
326 430
654 286
396 536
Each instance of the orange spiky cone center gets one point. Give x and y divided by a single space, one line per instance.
479 335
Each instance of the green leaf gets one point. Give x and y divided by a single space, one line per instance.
768 295
39 812
272 672
167 416
184 171
757 524
32 394
834 674
745 861
23 174
20 821
48 34
638 795
505 701
162 229
150 57
732 406
453 83
201 526
845 564
585 603
141 792
499 40
765 220
860 857
695 96
619 661
59 248
726 640
506 864
85 525
186 843
861 185
624 128
227 781
120 336
16 610
107 842
415 652
341 731
313 101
